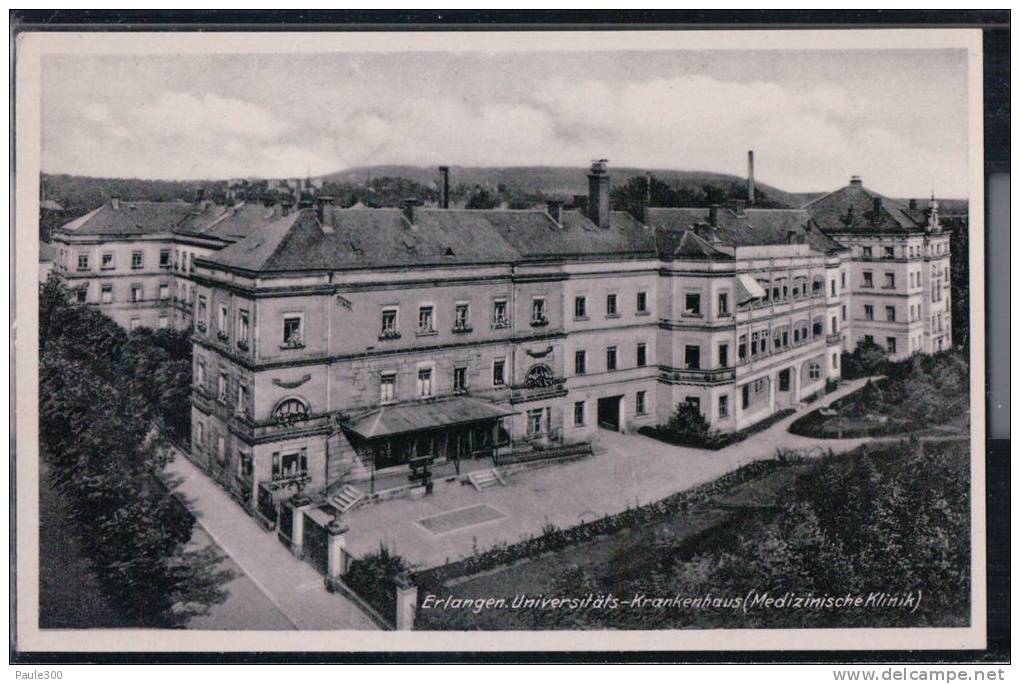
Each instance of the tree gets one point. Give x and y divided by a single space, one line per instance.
865 360
481 199
688 425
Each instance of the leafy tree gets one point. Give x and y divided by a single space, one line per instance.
865 360
688 425
482 199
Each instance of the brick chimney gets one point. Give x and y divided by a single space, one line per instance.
598 193
750 177
444 189
855 181
410 205
713 215
321 202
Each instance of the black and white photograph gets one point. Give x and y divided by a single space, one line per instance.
589 339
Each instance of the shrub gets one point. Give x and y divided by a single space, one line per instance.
865 360
374 578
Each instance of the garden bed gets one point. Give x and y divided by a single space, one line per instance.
714 441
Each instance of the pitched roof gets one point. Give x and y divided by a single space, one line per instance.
753 227
129 218
686 244
852 209
394 420
376 238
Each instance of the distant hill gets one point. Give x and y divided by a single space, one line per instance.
552 180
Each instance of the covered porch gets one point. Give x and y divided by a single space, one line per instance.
454 433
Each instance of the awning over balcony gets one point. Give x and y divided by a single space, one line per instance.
395 420
748 288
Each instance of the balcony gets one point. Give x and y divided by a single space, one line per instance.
699 376
539 322
389 334
501 324
461 328
834 339
547 388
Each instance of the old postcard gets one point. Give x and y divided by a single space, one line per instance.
657 340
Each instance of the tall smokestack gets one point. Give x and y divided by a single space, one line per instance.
598 194
444 176
750 177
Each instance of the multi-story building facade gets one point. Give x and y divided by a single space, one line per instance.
338 345
898 270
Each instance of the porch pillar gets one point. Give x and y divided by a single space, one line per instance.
298 504
623 415
336 557
773 379
407 603
795 384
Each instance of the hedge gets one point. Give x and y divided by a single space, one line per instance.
373 578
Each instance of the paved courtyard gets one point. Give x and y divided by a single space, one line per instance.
631 470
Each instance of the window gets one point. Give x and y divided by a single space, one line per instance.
642 354
242 398
611 309
692 357
538 311
745 396
200 316
200 373
499 317
642 302
814 371
460 379
578 413
387 387
389 322
640 404
499 372
692 304
164 258
817 286
221 449
81 294
164 322
134 324
191 261
580 307
796 335
221 323
890 313
462 317
889 252
107 294
137 260
535 421
694 403
426 324
834 327
106 263
890 345
724 406
200 433
164 291
83 262
786 338
890 281
869 280
742 347
292 336
869 312
286 466
136 293
832 287
580 362
869 339
835 360
816 328
724 302
842 279
724 355
866 252
242 326
844 312
221 387
611 358
424 383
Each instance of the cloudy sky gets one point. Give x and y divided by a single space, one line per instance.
897 118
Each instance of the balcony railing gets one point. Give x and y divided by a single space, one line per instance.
836 338
699 376
524 392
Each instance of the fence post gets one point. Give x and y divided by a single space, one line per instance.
298 503
336 558
407 602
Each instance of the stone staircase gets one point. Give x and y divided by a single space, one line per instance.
346 498
483 479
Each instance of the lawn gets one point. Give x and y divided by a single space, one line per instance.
614 558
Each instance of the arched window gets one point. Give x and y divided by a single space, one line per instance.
539 375
290 408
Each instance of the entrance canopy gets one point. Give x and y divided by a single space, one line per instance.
396 420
